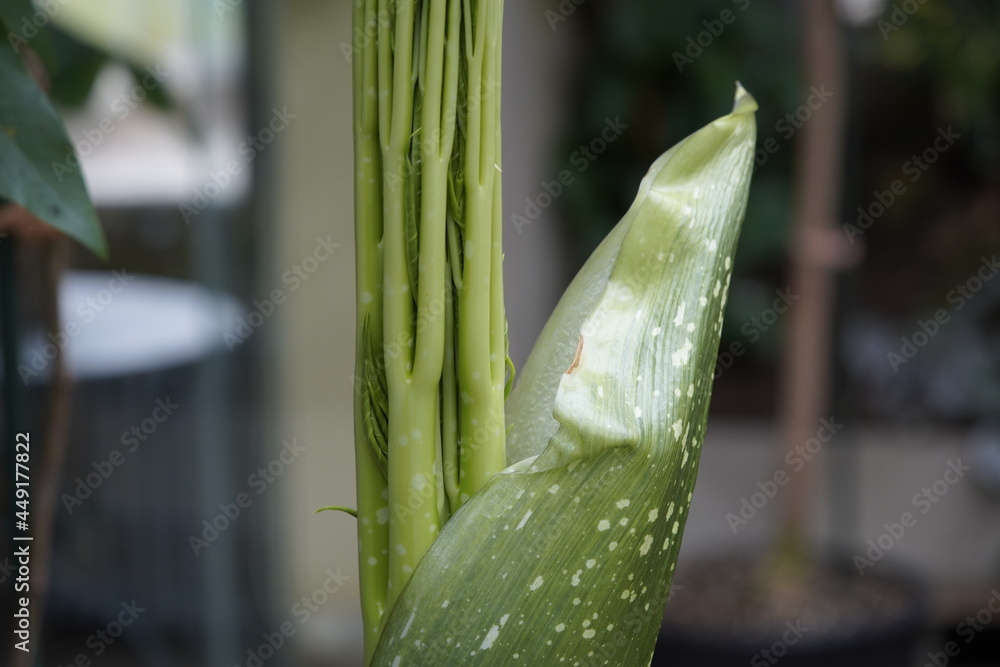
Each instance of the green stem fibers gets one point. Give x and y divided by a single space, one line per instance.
431 330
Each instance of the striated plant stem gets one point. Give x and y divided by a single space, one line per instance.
431 330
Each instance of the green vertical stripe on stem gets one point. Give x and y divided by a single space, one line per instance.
410 370
428 192
373 530
482 430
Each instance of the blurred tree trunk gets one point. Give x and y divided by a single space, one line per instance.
816 250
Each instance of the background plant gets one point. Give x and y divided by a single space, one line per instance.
41 199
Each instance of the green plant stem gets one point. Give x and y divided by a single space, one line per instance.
412 387
449 411
373 530
480 313
413 512
426 79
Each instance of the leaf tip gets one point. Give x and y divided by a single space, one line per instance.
99 246
744 102
336 508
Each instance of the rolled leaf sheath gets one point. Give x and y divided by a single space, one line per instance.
567 557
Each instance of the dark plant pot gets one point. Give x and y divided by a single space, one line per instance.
884 642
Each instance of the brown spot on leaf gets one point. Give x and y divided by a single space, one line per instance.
576 357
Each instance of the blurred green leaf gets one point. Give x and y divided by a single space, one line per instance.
156 94
20 28
77 66
79 61
37 165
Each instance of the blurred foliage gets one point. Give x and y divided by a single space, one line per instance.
644 62
77 63
32 140
939 69
43 65
954 46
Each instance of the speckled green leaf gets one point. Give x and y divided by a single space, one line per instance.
566 557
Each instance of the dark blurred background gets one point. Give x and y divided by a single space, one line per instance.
214 351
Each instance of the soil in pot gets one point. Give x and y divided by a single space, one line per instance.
728 612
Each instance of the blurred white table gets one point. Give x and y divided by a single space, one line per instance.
132 323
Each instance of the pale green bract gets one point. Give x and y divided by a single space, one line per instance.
566 557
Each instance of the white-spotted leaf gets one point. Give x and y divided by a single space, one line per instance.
566 557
